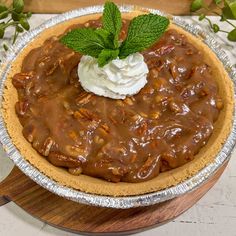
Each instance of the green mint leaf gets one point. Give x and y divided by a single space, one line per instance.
143 32
196 5
106 56
3 8
85 41
111 20
18 5
232 35
108 38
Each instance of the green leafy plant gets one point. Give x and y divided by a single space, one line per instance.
227 9
103 43
13 16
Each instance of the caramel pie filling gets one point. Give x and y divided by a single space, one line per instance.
132 140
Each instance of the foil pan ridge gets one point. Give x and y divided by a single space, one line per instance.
107 201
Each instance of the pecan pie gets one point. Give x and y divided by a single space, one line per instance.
150 141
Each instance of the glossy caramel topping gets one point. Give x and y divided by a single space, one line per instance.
129 140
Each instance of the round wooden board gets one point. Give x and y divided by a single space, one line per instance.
84 219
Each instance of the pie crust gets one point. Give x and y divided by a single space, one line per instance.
222 126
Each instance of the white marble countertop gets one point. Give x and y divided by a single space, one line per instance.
214 214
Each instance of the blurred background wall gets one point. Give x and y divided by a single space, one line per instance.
176 7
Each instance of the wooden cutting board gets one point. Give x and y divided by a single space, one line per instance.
79 218
176 7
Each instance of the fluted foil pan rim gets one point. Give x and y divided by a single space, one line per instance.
108 201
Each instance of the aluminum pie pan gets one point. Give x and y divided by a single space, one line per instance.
108 201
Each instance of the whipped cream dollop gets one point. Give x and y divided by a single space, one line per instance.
117 79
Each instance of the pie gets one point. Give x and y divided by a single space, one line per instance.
155 139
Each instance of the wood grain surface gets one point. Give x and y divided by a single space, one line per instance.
80 218
176 7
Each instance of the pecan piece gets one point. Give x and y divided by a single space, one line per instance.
154 72
144 115
104 129
59 159
137 118
83 98
29 132
142 129
160 98
21 107
84 113
20 80
166 49
47 145
146 169
155 115
74 151
65 59
43 61
129 101
175 107
67 107
75 171
98 140
120 103
169 159
52 68
204 92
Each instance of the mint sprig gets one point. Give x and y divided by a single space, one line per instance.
108 38
103 44
111 21
107 55
85 41
143 31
